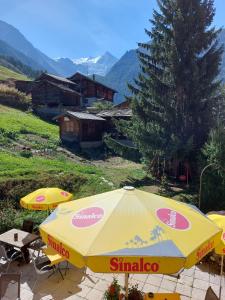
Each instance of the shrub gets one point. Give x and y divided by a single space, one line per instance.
14 189
12 97
13 218
7 216
26 153
134 293
113 291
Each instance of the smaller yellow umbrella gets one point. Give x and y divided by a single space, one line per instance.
45 199
219 220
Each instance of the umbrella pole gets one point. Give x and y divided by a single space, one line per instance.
221 275
126 285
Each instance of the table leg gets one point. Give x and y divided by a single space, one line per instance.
26 255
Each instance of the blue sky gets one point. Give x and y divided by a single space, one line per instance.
77 28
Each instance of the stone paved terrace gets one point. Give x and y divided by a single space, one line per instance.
192 284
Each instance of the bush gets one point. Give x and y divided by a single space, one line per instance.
14 189
7 216
13 218
26 153
12 97
113 291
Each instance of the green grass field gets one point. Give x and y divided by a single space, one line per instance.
6 73
29 130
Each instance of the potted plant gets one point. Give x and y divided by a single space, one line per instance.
113 291
134 293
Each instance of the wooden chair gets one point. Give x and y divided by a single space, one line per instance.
28 226
5 280
210 294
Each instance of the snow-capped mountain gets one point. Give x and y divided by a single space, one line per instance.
86 60
99 65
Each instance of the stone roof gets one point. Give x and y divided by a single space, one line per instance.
114 113
84 116
93 80
59 78
62 87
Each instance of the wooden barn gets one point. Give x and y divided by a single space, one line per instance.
53 94
123 105
114 114
24 86
82 128
91 89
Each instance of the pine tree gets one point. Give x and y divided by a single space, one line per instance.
173 96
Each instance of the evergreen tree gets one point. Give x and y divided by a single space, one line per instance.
174 94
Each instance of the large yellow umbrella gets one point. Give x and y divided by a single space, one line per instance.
130 231
219 220
45 199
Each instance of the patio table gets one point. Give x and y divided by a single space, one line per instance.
22 243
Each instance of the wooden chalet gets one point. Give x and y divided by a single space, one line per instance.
91 89
114 114
123 105
24 86
52 95
84 129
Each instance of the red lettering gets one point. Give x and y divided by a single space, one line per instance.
118 264
114 264
127 267
141 265
146 267
155 267
58 247
135 267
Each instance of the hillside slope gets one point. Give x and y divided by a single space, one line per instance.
6 73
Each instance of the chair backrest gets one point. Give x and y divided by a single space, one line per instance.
210 294
5 279
37 262
28 226
3 253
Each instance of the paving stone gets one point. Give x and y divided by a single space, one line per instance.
198 294
201 284
154 280
168 285
189 272
84 290
170 278
162 290
184 289
140 277
185 298
201 275
147 288
94 294
102 285
187 280
215 278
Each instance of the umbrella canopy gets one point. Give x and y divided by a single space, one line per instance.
45 199
130 231
219 220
